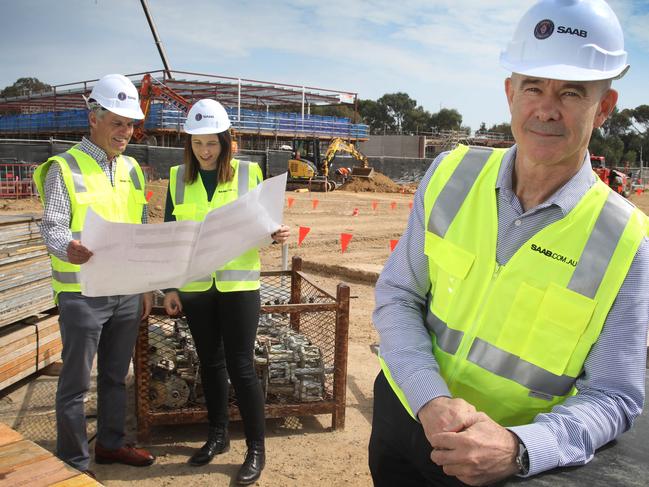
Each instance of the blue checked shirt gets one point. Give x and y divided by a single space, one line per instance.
611 387
57 214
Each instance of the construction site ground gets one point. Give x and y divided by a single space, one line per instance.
301 451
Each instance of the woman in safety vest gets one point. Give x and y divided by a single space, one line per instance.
222 308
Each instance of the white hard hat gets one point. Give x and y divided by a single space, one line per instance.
206 116
572 40
117 94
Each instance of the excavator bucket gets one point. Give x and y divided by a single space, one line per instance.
362 172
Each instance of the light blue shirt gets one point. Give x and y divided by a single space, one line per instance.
611 387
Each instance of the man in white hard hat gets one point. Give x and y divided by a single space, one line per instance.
94 174
513 313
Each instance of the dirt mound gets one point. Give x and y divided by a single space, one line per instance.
380 183
21 205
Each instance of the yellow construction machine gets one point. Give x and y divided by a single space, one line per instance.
307 168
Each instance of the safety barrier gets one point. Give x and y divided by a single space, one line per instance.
16 180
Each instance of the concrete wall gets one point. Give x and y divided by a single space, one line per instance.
272 163
393 146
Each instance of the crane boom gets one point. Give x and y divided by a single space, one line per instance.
156 38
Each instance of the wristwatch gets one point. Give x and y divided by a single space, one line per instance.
522 459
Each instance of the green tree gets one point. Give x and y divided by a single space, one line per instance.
342 110
397 105
641 115
447 119
417 120
25 86
609 146
618 122
376 116
630 156
502 128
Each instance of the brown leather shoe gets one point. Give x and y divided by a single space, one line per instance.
128 455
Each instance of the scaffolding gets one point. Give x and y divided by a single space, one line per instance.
255 107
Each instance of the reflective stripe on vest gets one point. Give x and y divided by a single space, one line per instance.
586 279
242 181
457 188
447 338
600 247
132 172
180 185
77 175
66 277
234 275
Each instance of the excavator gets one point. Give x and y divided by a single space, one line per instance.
307 169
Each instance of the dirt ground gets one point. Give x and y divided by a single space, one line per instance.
301 451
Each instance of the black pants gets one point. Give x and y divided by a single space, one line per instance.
399 453
224 327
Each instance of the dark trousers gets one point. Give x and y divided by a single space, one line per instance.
106 327
224 327
399 453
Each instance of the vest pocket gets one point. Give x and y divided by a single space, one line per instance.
451 266
561 320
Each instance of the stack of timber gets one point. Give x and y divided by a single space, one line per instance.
25 287
23 462
28 346
29 339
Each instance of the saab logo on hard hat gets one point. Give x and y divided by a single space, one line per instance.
575 32
544 29
200 117
121 96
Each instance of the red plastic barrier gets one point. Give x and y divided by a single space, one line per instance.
16 180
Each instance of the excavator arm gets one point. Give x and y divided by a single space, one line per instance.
339 145
150 90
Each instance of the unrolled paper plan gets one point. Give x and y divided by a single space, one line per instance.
130 258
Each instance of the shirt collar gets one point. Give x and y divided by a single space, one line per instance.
94 151
566 197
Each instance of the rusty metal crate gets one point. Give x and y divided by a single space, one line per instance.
300 357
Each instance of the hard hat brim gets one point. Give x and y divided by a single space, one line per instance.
564 72
125 112
203 130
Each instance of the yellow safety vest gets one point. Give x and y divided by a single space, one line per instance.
512 339
191 203
88 186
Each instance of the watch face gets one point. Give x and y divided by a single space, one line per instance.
522 459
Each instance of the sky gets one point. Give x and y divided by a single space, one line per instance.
443 53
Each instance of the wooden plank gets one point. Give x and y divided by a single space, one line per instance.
7 435
27 359
81 480
20 453
39 473
56 355
26 346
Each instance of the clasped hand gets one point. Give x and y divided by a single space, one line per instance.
468 444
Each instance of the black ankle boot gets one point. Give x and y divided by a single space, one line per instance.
217 442
254 463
